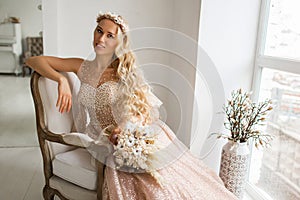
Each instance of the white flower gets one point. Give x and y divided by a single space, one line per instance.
130 141
137 151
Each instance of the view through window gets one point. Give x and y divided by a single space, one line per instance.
276 171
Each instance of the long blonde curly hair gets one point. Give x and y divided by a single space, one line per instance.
133 89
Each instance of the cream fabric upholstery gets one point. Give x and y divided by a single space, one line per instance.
72 191
55 121
75 167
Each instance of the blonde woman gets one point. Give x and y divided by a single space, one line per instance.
114 91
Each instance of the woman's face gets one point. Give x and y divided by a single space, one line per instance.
105 37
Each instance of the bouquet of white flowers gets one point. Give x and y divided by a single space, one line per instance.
136 145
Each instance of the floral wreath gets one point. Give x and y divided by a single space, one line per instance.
115 18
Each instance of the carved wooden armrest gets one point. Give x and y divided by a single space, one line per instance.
71 139
77 140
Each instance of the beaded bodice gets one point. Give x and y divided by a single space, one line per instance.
97 95
98 104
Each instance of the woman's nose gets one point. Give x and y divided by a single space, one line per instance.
102 38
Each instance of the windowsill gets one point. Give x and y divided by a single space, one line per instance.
254 193
247 196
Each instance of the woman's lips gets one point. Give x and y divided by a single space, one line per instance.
100 46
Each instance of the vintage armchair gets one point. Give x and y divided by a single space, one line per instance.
34 47
68 171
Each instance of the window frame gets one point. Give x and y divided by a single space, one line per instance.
263 61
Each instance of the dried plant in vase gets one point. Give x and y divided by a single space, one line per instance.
244 118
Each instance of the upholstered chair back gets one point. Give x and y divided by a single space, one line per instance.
55 121
70 171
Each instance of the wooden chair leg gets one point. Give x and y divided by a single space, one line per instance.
48 193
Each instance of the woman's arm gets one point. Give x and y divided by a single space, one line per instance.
49 66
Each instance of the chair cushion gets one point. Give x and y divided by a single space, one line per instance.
71 191
75 167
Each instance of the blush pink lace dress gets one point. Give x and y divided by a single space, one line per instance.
184 178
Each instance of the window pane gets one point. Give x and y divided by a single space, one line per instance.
283 30
277 170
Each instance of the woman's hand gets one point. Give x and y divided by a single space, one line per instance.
64 101
113 137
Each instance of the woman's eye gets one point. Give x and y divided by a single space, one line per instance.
99 30
110 36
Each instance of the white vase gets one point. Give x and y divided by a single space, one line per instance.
234 167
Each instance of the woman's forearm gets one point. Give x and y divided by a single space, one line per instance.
43 67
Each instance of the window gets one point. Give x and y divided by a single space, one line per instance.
275 172
283 29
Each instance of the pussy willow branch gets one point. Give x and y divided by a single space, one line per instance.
242 115
235 107
240 127
254 119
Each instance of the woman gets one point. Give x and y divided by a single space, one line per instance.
113 91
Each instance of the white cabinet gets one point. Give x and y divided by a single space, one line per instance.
10 48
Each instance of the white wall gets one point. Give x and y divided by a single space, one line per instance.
228 35
30 16
186 16
76 20
50 27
